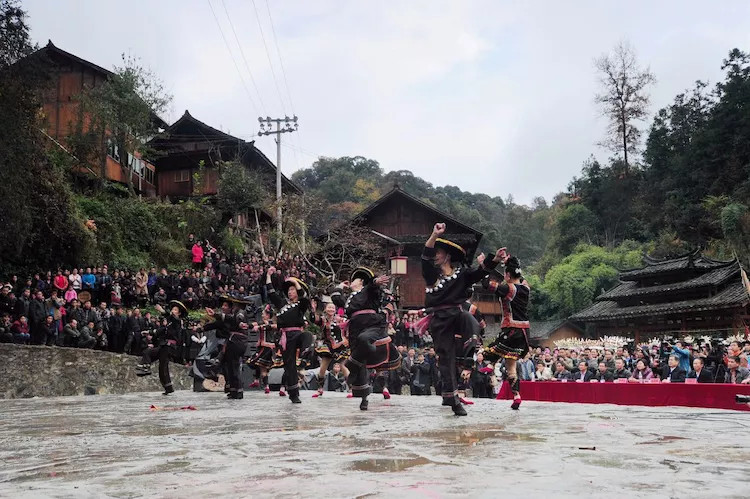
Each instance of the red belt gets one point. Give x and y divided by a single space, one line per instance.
285 330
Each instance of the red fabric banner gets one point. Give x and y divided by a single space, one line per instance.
713 396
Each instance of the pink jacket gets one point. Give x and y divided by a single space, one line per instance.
197 253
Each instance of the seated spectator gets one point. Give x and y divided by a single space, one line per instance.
603 375
620 371
642 372
160 298
583 375
560 372
71 334
700 372
20 330
335 379
100 339
70 295
86 339
542 372
736 374
190 299
6 332
609 360
673 373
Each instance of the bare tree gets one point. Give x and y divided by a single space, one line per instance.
624 99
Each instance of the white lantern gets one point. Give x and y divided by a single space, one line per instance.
398 265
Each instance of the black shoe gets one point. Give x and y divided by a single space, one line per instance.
459 410
168 390
295 399
363 405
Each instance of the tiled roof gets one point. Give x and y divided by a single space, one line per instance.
735 295
713 277
655 267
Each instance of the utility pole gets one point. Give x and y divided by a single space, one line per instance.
266 128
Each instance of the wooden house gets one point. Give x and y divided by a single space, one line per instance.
189 147
70 76
691 294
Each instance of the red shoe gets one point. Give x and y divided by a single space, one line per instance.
282 393
267 390
317 394
465 401
255 384
516 403
386 394
349 395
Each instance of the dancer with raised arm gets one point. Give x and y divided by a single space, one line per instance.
449 282
263 359
513 341
165 344
232 326
290 319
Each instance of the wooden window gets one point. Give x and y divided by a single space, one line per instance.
182 176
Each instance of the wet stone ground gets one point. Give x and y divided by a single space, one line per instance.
263 446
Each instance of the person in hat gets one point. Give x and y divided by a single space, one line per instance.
512 343
263 359
371 347
335 347
290 319
448 283
232 326
165 344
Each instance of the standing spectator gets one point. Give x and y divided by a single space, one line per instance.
37 314
141 287
683 354
75 280
105 286
526 368
88 280
6 329
60 282
420 377
197 252
49 331
118 331
480 378
70 295
22 303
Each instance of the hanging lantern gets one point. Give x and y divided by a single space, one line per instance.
398 265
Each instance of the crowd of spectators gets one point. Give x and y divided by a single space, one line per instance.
94 307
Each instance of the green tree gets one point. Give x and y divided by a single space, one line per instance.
124 111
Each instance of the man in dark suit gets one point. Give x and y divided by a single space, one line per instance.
673 373
604 375
583 375
700 372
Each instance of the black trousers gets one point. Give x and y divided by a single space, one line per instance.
162 353
295 340
232 359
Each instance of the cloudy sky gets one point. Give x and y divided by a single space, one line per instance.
490 96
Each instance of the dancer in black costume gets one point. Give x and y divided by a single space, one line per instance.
448 283
368 335
264 359
290 319
231 325
513 341
335 347
165 344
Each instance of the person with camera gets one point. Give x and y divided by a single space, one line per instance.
420 376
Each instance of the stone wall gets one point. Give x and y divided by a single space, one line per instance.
37 371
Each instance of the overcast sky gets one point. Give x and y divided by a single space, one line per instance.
493 97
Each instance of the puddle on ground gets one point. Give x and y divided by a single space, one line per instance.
469 437
387 465
662 439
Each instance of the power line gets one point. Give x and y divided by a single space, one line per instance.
242 52
268 56
297 139
239 73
